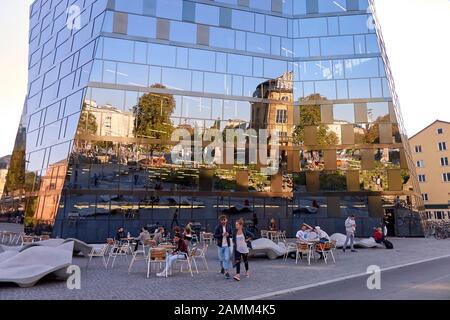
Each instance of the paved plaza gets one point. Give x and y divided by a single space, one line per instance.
268 276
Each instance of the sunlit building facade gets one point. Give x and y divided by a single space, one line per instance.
111 80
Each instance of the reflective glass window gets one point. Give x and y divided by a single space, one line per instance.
261 4
238 64
359 88
243 20
132 74
141 26
140 52
183 32
108 97
337 45
344 113
51 76
134 6
313 27
170 9
52 113
51 133
202 60
327 89
259 43
207 14
217 83
326 6
161 55
58 153
353 24
154 75
276 26
117 49
360 68
109 72
274 68
176 79
221 38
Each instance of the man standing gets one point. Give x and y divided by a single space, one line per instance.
350 228
174 219
223 234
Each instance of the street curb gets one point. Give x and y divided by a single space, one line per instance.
323 283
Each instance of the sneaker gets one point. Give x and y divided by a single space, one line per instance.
237 277
247 274
222 271
161 274
227 275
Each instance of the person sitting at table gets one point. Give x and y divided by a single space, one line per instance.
144 235
303 234
322 235
187 233
160 234
180 252
120 234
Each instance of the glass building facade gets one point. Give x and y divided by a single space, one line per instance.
111 80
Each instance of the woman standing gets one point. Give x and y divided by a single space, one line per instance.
187 234
241 239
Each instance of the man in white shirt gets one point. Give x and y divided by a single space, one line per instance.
303 233
350 228
321 235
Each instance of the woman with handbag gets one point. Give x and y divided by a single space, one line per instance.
242 242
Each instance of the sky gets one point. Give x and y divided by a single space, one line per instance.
416 32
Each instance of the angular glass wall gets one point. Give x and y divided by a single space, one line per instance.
313 71
62 44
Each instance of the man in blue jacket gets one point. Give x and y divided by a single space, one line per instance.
223 234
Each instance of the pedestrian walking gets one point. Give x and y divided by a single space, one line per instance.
242 242
223 233
350 228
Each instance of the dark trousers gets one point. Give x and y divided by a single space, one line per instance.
174 220
238 257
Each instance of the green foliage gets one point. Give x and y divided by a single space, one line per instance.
336 181
15 178
88 123
310 115
153 114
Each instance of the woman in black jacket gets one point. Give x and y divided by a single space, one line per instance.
242 242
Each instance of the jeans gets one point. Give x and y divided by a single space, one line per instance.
351 237
170 260
224 257
237 258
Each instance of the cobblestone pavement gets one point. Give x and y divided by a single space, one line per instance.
266 276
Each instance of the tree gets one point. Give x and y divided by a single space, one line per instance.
153 114
310 115
15 178
88 123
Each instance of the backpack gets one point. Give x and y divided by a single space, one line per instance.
388 244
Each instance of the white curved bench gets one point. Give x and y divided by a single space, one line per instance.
358 242
29 266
